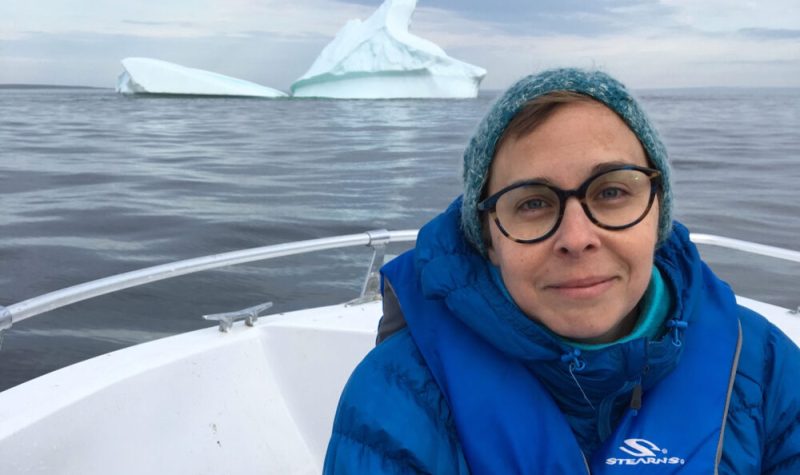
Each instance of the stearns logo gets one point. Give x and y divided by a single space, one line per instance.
644 452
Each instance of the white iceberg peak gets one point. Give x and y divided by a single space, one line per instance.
379 58
153 76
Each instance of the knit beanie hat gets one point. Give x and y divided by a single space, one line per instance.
481 148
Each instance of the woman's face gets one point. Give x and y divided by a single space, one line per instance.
584 282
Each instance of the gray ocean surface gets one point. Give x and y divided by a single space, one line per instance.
94 183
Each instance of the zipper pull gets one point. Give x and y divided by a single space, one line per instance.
636 398
636 394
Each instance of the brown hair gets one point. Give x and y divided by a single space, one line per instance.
532 115
536 111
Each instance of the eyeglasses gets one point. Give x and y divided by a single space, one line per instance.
614 199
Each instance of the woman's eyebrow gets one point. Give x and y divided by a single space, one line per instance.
601 167
542 180
598 168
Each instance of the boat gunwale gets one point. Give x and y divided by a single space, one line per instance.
60 298
52 300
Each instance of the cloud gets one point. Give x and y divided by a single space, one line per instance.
770 33
575 17
648 43
158 23
93 59
666 57
175 18
726 16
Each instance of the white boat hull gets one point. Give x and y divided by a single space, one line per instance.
254 400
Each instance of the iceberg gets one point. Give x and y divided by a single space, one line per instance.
153 76
379 58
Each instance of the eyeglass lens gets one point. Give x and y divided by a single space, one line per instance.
614 199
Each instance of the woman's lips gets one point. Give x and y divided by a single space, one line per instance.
586 288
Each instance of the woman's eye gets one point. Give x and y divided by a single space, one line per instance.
533 204
611 193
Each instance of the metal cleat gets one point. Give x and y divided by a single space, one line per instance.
249 315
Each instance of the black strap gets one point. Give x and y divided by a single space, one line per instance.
392 320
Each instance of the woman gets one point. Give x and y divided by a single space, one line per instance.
555 320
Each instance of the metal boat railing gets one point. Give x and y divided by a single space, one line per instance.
746 246
77 293
375 239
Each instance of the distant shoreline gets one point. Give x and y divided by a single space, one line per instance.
46 86
482 92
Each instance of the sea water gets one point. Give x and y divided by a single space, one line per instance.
94 183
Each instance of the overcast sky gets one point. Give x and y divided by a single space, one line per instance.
646 43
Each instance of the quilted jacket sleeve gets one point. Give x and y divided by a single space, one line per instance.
392 418
781 406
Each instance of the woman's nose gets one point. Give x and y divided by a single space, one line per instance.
577 233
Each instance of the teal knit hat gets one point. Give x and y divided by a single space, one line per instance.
481 148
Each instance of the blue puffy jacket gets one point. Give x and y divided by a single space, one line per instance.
394 418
